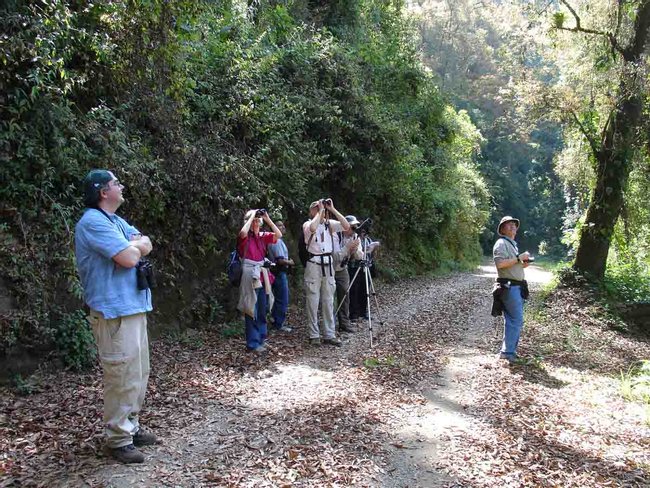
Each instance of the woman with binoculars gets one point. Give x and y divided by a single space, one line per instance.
256 281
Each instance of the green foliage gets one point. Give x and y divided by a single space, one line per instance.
74 341
386 362
234 328
50 61
204 111
479 55
558 20
635 385
573 338
627 280
24 386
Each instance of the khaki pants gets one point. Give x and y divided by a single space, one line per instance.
320 289
123 349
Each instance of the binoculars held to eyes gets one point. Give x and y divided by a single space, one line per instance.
326 201
260 213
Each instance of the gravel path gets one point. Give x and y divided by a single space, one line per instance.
429 431
423 407
354 415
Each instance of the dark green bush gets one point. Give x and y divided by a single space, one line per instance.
203 113
74 341
627 281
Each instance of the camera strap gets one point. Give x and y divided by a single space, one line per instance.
514 248
328 230
114 223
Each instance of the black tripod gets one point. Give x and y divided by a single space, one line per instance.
364 265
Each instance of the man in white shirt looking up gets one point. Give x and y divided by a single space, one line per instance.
320 285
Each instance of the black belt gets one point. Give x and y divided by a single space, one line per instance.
511 282
322 263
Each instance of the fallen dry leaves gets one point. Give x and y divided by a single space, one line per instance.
327 416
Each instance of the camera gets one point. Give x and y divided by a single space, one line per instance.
268 264
144 274
260 212
530 260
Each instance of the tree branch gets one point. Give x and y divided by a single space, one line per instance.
574 13
583 129
578 28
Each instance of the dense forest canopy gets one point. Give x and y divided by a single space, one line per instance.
559 91
480 51
434 118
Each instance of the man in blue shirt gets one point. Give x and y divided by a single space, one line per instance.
279 254
108 250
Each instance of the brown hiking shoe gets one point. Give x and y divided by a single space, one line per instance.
126 454
314 342
144 438
332 342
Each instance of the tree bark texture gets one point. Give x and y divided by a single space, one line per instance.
613 159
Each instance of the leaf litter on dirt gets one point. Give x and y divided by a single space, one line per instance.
306 416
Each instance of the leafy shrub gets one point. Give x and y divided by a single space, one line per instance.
627 280
204 112
24 386
74 341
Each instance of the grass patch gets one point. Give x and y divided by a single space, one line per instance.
549 264
388 361
536 361
635 385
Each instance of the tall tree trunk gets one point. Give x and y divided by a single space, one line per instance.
613 159
613 168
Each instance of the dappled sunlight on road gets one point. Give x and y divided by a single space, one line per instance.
307 386
486 271
535 274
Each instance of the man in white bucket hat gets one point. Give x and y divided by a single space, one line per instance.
510 264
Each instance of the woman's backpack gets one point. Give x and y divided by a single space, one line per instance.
234 269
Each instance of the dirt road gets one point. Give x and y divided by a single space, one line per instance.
409 412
